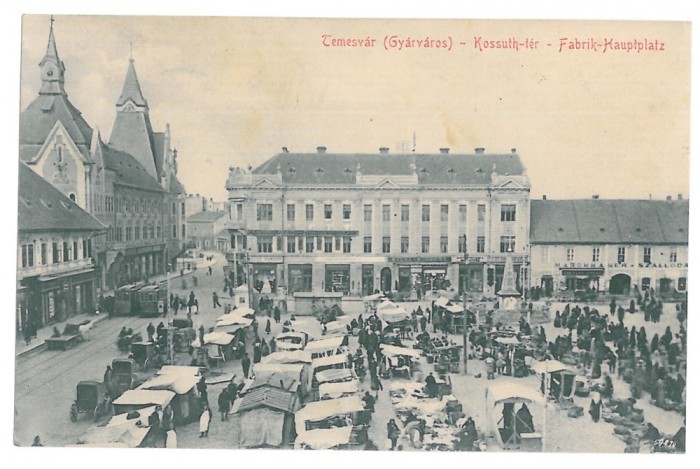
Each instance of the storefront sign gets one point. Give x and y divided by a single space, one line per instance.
580 265
268 260
421 260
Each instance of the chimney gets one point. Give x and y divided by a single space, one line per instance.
513 150
544 197
321 149
680 196
479 151
596 196
384 150
285 150
444 151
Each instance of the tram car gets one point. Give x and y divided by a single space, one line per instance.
152 301
126 300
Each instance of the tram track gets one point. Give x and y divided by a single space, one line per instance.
29 369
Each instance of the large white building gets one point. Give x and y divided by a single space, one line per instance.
357 223
610 246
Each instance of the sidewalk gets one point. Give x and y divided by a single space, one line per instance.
21 347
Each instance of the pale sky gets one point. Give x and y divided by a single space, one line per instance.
237 90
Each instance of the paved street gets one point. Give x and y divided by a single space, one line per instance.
47 379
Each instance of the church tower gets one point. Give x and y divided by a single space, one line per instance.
132 132
52 69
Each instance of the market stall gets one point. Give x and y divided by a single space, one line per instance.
325 438
287 357
333 413
398 361
557 380
338 390
185 402
292 340
264 418
514 428
325 347
137 399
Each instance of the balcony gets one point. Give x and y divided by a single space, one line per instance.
56 269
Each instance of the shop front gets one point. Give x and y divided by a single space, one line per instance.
264 275
300 278
582 279
471 277
337 278
367 279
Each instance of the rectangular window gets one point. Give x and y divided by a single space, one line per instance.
183 231
264 244
158 232
462 243
309 244
481 212
85 249
570 254
43 254
264 212
673 255
443 244
346 243
280 243
309 212
682 283
347 211
386 244
327 244
239 212
182 211
480 244
367 244
319 243
386 212
174 208
646 283
544 253
75 251
508 212
647 255
596 255
507 243
300 244
137 233
425 213
404 244
66 252
462 213
620 255
425 244
337 243
368 213
174 231
291 212
328 211
444 212
405 213
27 255
291 243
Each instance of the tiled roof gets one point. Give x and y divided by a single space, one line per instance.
42 207
132 133
41 116
438 169
128 171
597 221
176 186
159 149
268 396
132 88
207 216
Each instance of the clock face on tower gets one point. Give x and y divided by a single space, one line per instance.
49 73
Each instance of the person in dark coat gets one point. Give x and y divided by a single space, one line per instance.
523 421
276 314
268 327
107 376
595 407
215 300
393 432
224 404
150 330
245 363
257 353
431 387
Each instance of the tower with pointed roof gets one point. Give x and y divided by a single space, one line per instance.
52 68
132 132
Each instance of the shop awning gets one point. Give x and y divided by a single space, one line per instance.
591 272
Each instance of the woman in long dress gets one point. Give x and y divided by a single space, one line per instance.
596 405
204 420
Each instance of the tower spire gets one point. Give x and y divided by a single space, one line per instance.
132 89
52 68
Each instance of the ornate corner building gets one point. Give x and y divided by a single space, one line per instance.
357 223
129 185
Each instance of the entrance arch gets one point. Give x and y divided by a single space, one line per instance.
385 279
620 284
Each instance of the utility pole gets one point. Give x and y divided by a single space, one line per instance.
465 335
171 332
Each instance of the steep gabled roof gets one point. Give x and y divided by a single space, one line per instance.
128 171
42 207
431 169
41 116
131 89
206 216
597 221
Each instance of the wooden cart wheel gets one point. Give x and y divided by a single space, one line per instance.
74 413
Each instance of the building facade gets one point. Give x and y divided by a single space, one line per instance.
204 227
358 223
618 247
129 184
56 272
